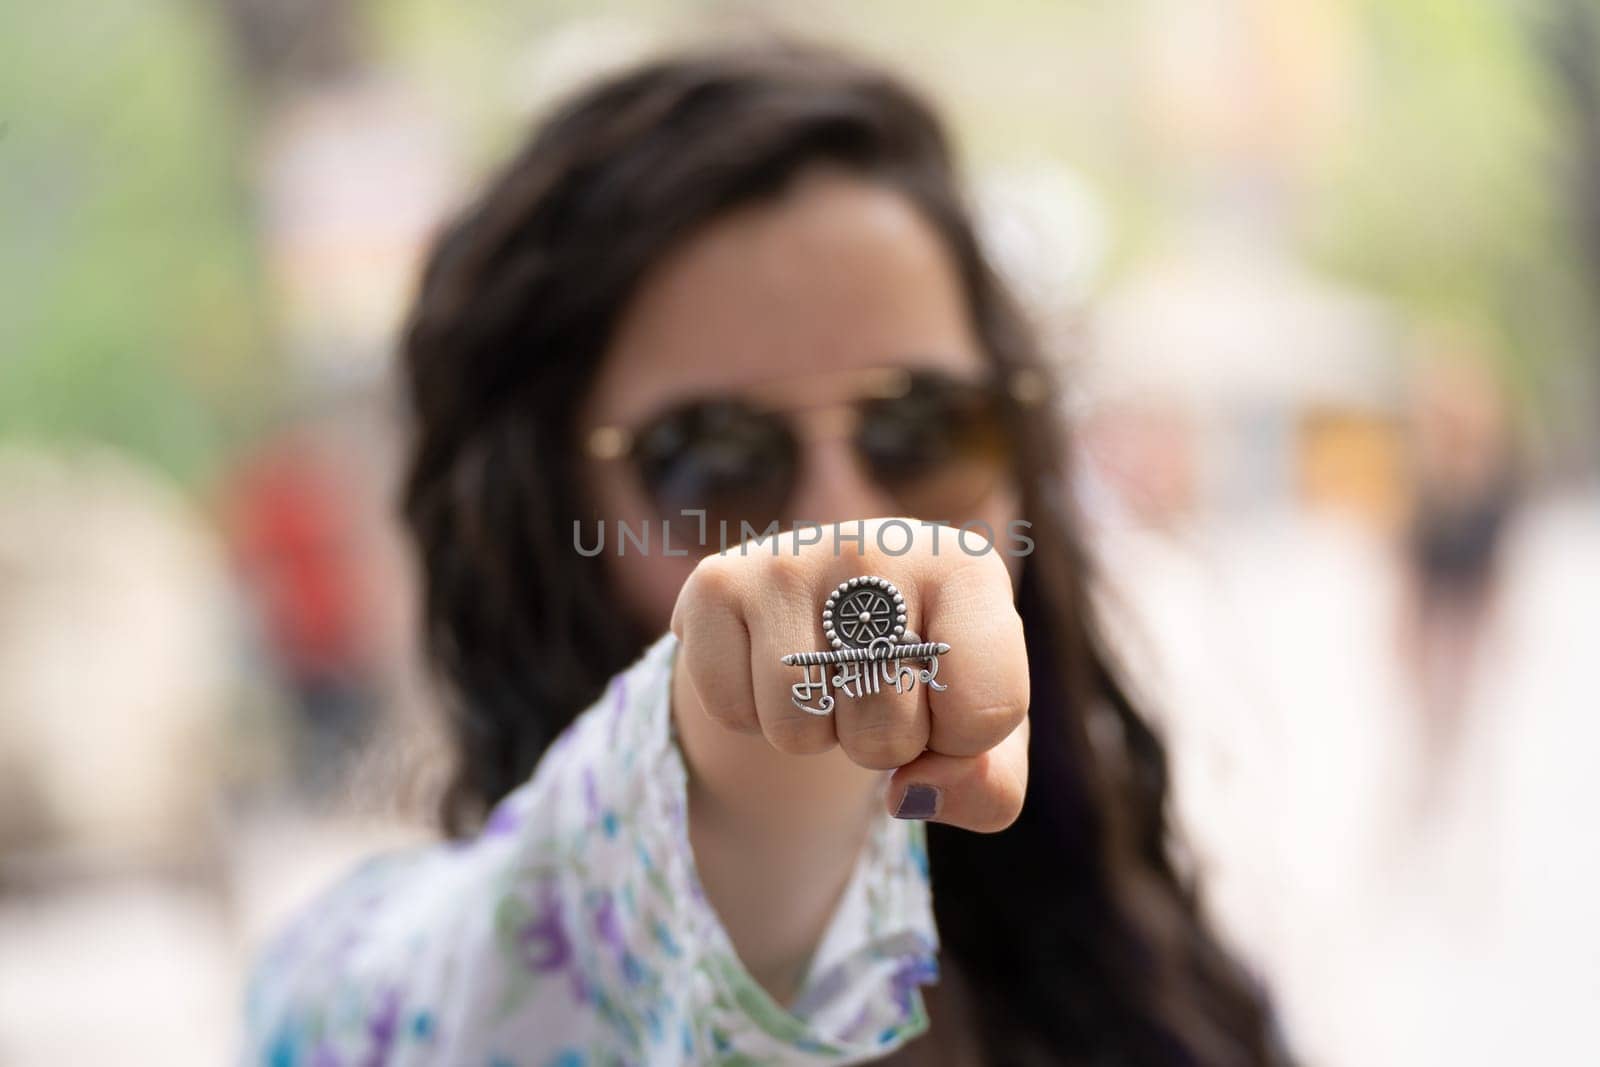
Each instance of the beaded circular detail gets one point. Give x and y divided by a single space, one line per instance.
862 610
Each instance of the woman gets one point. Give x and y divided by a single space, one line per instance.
720 291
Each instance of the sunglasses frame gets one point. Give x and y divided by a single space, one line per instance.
1026 387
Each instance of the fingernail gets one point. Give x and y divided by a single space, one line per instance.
918 802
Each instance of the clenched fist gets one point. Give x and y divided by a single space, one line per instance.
959 754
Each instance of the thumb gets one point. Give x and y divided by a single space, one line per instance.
983 793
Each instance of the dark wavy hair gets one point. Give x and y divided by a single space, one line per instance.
1082 943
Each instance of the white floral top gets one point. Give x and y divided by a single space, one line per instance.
573 931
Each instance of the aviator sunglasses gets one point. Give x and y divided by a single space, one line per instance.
934 443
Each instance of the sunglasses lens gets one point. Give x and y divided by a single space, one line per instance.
940 447
725 458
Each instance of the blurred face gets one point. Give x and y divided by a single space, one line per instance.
793 308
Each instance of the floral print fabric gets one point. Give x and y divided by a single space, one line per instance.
573 931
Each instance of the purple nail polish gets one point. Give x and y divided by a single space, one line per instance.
918 802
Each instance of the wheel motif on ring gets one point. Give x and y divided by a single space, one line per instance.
863 610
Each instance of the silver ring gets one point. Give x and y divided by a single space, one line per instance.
864 621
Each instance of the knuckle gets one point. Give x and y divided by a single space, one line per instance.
973 776
1001 816
978 729
882 744
714 582
986 581
997 797
799 737
697 662
789 573
728 714
990 563
849 541
1009 806
1004 714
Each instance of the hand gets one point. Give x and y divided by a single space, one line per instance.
959 755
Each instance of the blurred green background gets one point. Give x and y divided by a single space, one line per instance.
1320 272
1434 151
